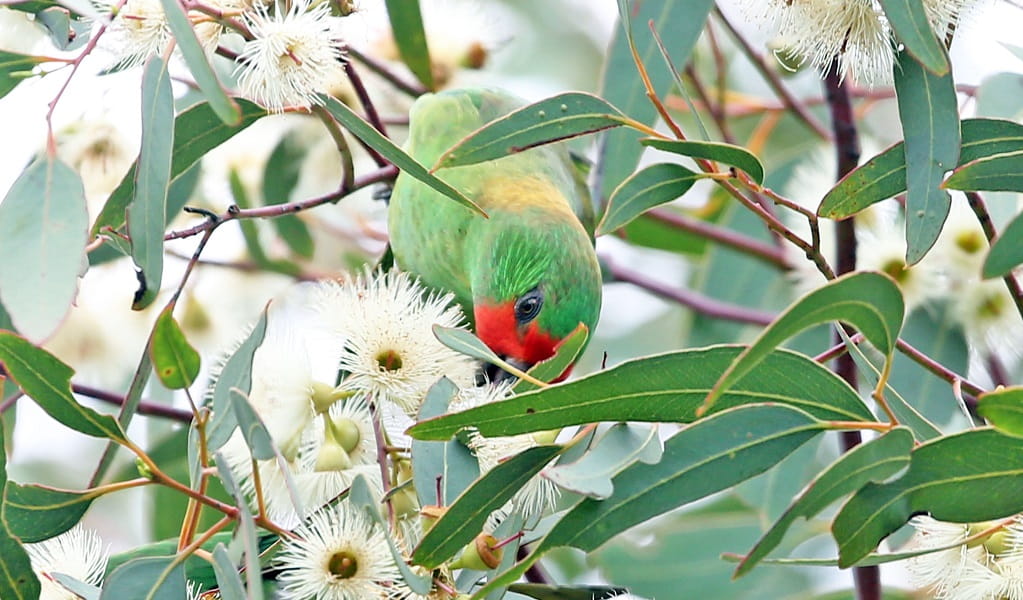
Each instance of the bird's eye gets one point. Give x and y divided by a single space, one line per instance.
528 306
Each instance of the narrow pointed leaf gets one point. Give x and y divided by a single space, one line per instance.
543 591
1007 251
229 583
35 513
245 531
147 578
875 460
553 119
566 355
14 68
147 212
870 302
257 438
235 374
884 176
17 580
280 178
466 342
929 114
450 461
912 27
389 150
195 57
618 448
197 130
709 456
175 361
1003 408
729 154
407 28
646 189
662 388
43 231
466 516
999 173
48 381
941 482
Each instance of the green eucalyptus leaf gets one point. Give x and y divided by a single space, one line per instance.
235 374
175 361
407 31
548 370
147 578
257 438
871 302
466 516
648 188
245 532
17 580
48 381
560 117
15 68
546 591
730 154
229 583
148 208
451 462
66 33
1003 408
43 231
913 28
389 150
618 448
971 476
280 177
35 513
929 114
466 342
661 388
997 173
1006 253
875 460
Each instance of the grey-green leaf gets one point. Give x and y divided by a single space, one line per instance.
730 154
14 68
148 208
407 29
1007 252
912 27
619 447
147 578
929 113
645 189
235 374
17 580
43 230
35 513
450 461
997 173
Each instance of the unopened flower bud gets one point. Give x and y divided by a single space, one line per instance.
480 555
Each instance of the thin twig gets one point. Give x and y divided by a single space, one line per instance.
144 408
768 253
984 217
414 89
697 302
369 108
772 79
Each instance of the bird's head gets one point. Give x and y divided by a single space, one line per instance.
535 278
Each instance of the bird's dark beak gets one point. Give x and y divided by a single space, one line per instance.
496 374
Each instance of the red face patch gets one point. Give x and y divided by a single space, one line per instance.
497 327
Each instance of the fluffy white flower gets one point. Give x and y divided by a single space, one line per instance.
390 352
77 552
340 555
538 494
292 57
939 571
989 317
883 248
137 31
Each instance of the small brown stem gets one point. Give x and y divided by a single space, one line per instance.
370 109
976 202
144 408
766 252
334 129
414 89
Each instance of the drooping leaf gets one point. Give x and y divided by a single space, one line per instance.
450 465
148 208
35 513
17 580
235 374
681 21
407 30
48 381
884 176
466 342
43 231
195 57
245 531
645 189
560 117
566 355
667 387
197 130
1006 252
871 302
1003 408
872 461
466 516
929 114
946 477
618 448
229 583
280 177
175 361
710 455
14 68
147 578
730 154
913 28
389 150
66 33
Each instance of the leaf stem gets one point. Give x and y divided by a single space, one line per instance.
976 202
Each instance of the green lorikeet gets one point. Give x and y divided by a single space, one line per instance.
528 274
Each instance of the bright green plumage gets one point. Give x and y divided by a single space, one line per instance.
534 237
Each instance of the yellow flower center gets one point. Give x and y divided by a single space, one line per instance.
896 269
970 242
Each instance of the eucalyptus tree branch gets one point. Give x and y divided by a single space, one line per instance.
772 79
370 109
144 408
768 253
414 89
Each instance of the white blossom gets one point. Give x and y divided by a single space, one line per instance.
78 553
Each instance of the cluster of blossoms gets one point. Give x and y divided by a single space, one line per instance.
990 568
78 553
854 33
342 369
